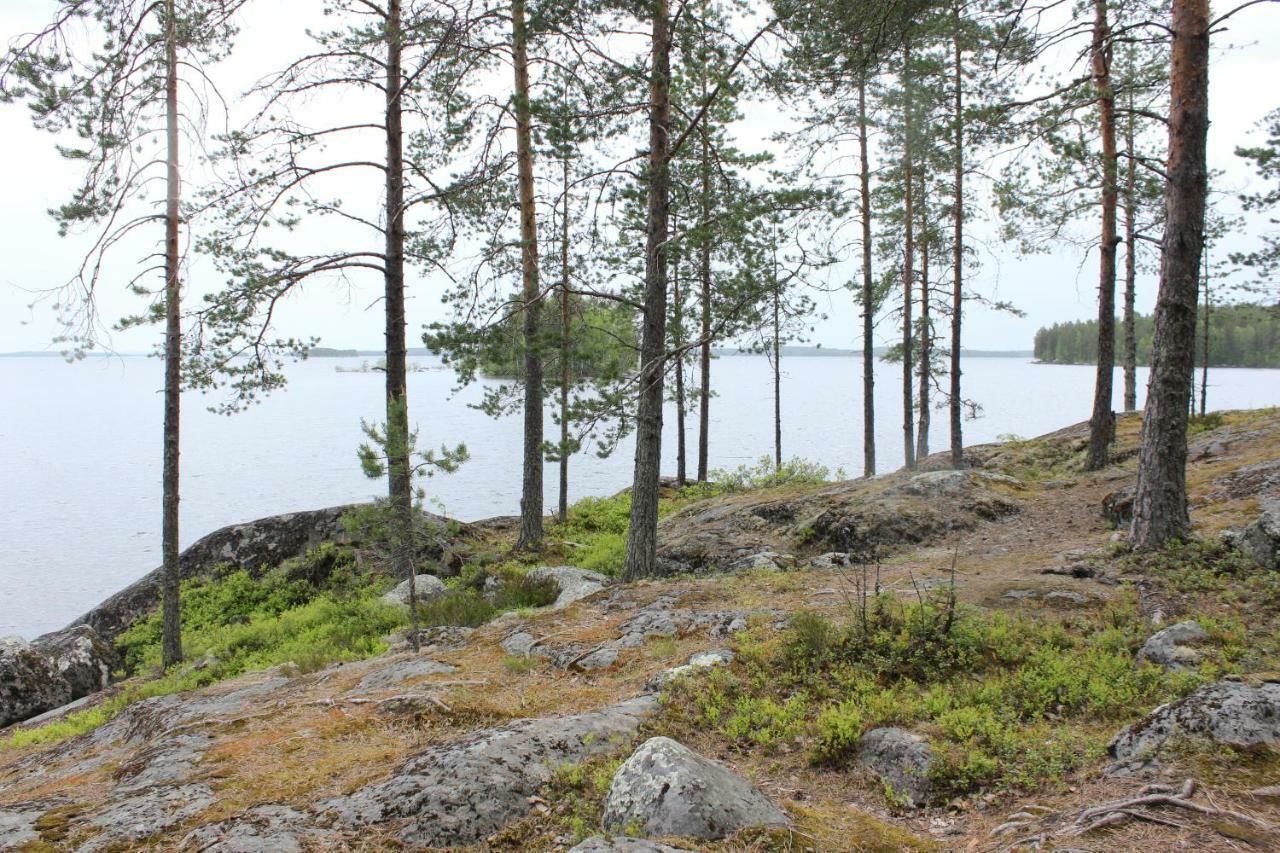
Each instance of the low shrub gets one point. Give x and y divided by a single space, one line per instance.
1007 702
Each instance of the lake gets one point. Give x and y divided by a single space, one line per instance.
79 451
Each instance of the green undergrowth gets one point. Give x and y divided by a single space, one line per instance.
594 533
311 611
1007 703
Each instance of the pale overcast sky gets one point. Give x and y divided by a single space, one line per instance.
1245 85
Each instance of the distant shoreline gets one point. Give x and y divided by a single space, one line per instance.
418 352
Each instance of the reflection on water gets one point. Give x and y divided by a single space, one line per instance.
79 451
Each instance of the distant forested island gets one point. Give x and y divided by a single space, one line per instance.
1239 336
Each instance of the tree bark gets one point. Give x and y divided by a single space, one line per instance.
678 341
1102 422
957 256
868 294
171 632
399 479
642 536
926 330
908 272
777 362
1130 268
1204 353
531 497
1160 500
704 270
566 349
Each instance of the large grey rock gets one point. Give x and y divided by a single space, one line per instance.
1172 648
667 789
426 587
901 759
1229 713
1117 507
1261 539
574 584
770 561
253 546
620 844
698 663
462 792
29 682
81 657
389 674
935 484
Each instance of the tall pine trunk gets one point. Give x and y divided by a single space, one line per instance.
531 497
908 271
777 362
1160 500
1130 266
1102 422
1204 352
704 275
642 537
957 255
678 341
926 328
566 349
399 481
171 645
868 294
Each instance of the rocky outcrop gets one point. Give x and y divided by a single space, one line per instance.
666 789
658 619
462 792
1261 539
700 662
1174 647
600 844
29 684
858 518
81 657
52 671
1117 507
262 829
574 584
253 546
426 587
1229 713
900 758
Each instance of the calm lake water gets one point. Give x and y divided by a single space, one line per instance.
80 462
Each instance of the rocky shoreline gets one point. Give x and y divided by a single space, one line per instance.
467 743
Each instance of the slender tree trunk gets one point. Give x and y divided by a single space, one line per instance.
868 294
957 256
926 328
777 363
908 272
642 536
566 348
1204 353
1160 500
1130 267
704 273
1102 423
531 497
678 339
399 480
171 645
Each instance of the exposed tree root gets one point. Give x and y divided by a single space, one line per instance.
1119 812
